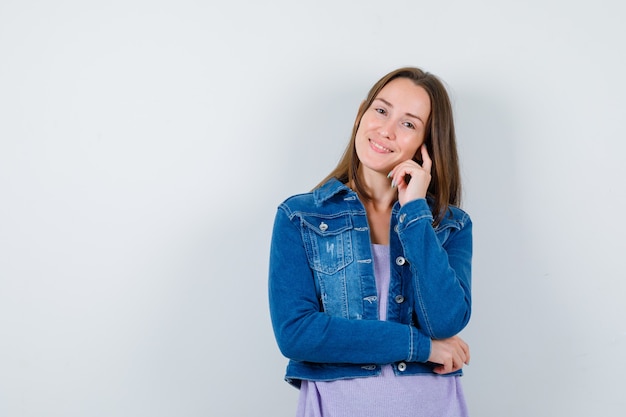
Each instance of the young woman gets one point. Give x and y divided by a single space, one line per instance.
369 280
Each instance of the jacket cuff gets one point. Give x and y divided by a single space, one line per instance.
419 346
414 211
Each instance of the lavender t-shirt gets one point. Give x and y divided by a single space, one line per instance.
386 394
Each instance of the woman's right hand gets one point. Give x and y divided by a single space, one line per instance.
450 354
420 178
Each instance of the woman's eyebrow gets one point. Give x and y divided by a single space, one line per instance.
391 105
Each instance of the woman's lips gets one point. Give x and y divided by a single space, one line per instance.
378 147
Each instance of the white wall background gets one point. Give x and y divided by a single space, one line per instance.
144 146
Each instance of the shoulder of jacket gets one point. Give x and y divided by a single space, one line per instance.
456 215
298 203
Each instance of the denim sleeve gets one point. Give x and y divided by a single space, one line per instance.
305 333
441 272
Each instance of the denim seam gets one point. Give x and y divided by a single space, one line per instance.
418 218
422 308
412 352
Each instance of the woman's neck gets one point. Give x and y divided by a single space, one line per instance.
378 207
382 194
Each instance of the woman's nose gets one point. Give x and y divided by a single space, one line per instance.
387 130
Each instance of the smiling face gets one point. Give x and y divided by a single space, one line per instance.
393 128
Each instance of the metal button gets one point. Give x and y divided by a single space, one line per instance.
396 228
402 217
399 299
323 226
402 367
400 261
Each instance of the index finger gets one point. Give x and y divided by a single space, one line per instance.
427 163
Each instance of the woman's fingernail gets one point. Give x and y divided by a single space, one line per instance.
390 174
393 183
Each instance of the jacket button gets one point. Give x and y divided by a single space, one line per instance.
396 228
399 299
402 217
402 367
323 226
400 261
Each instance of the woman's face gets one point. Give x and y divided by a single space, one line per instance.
393 128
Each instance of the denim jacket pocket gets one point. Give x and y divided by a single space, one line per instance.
328 242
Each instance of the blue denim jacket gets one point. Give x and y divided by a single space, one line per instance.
322 291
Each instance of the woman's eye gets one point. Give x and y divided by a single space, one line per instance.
409 125
380 111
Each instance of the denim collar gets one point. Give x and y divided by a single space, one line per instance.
333 187
328 190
